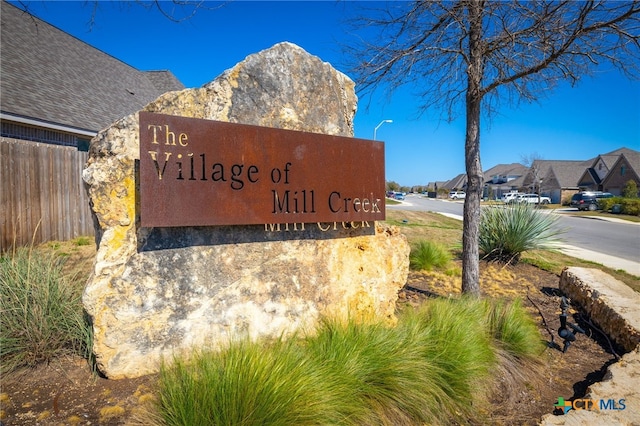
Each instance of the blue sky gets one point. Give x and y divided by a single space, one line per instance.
600 115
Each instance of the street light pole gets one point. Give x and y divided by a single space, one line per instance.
378 126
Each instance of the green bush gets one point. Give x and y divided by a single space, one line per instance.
507 232
426 255
432 368
606 204
41 314
630 189
630 206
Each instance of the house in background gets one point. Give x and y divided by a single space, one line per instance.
57 92
610 172
57 89
458 183
560 179
501 179
556 179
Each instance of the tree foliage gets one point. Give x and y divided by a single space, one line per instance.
469 57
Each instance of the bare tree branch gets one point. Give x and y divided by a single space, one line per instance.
480 53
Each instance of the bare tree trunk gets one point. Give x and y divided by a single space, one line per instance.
471 224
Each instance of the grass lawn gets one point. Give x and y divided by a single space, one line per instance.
435 227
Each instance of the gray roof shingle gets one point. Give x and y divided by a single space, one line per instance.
566 172
49 75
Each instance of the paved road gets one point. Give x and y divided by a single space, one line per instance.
613 243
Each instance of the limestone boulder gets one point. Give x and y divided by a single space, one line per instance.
155 292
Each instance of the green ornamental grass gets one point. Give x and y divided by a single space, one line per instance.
432 368
507 232
41 314
426 255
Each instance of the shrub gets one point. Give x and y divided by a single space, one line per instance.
505 233
630 189
607 203
387 371
41 314
426 255
457 345
630 206
432 368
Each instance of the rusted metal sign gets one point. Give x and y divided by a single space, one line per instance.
201 172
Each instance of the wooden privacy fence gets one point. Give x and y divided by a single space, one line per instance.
42 195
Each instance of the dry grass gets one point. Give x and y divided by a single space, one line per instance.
427 226
448 231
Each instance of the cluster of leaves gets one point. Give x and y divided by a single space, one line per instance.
41 314
432 368
426 255
506 232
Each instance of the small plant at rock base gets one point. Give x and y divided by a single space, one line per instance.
82 241
426 255
505 233
41 314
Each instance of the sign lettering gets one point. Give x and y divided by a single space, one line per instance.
197 172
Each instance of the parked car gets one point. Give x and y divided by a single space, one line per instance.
588 200
509 196
399 196
457 195
532 199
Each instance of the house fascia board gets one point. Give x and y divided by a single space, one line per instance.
46 124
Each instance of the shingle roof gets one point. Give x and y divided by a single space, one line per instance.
610 158
567 172
457 182
164 80
49 75
513 169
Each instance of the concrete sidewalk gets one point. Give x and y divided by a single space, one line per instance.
603 259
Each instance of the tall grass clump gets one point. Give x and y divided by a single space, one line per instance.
505 233
433 368
41 314
249 383
384 371
514 329
455 339
426 255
